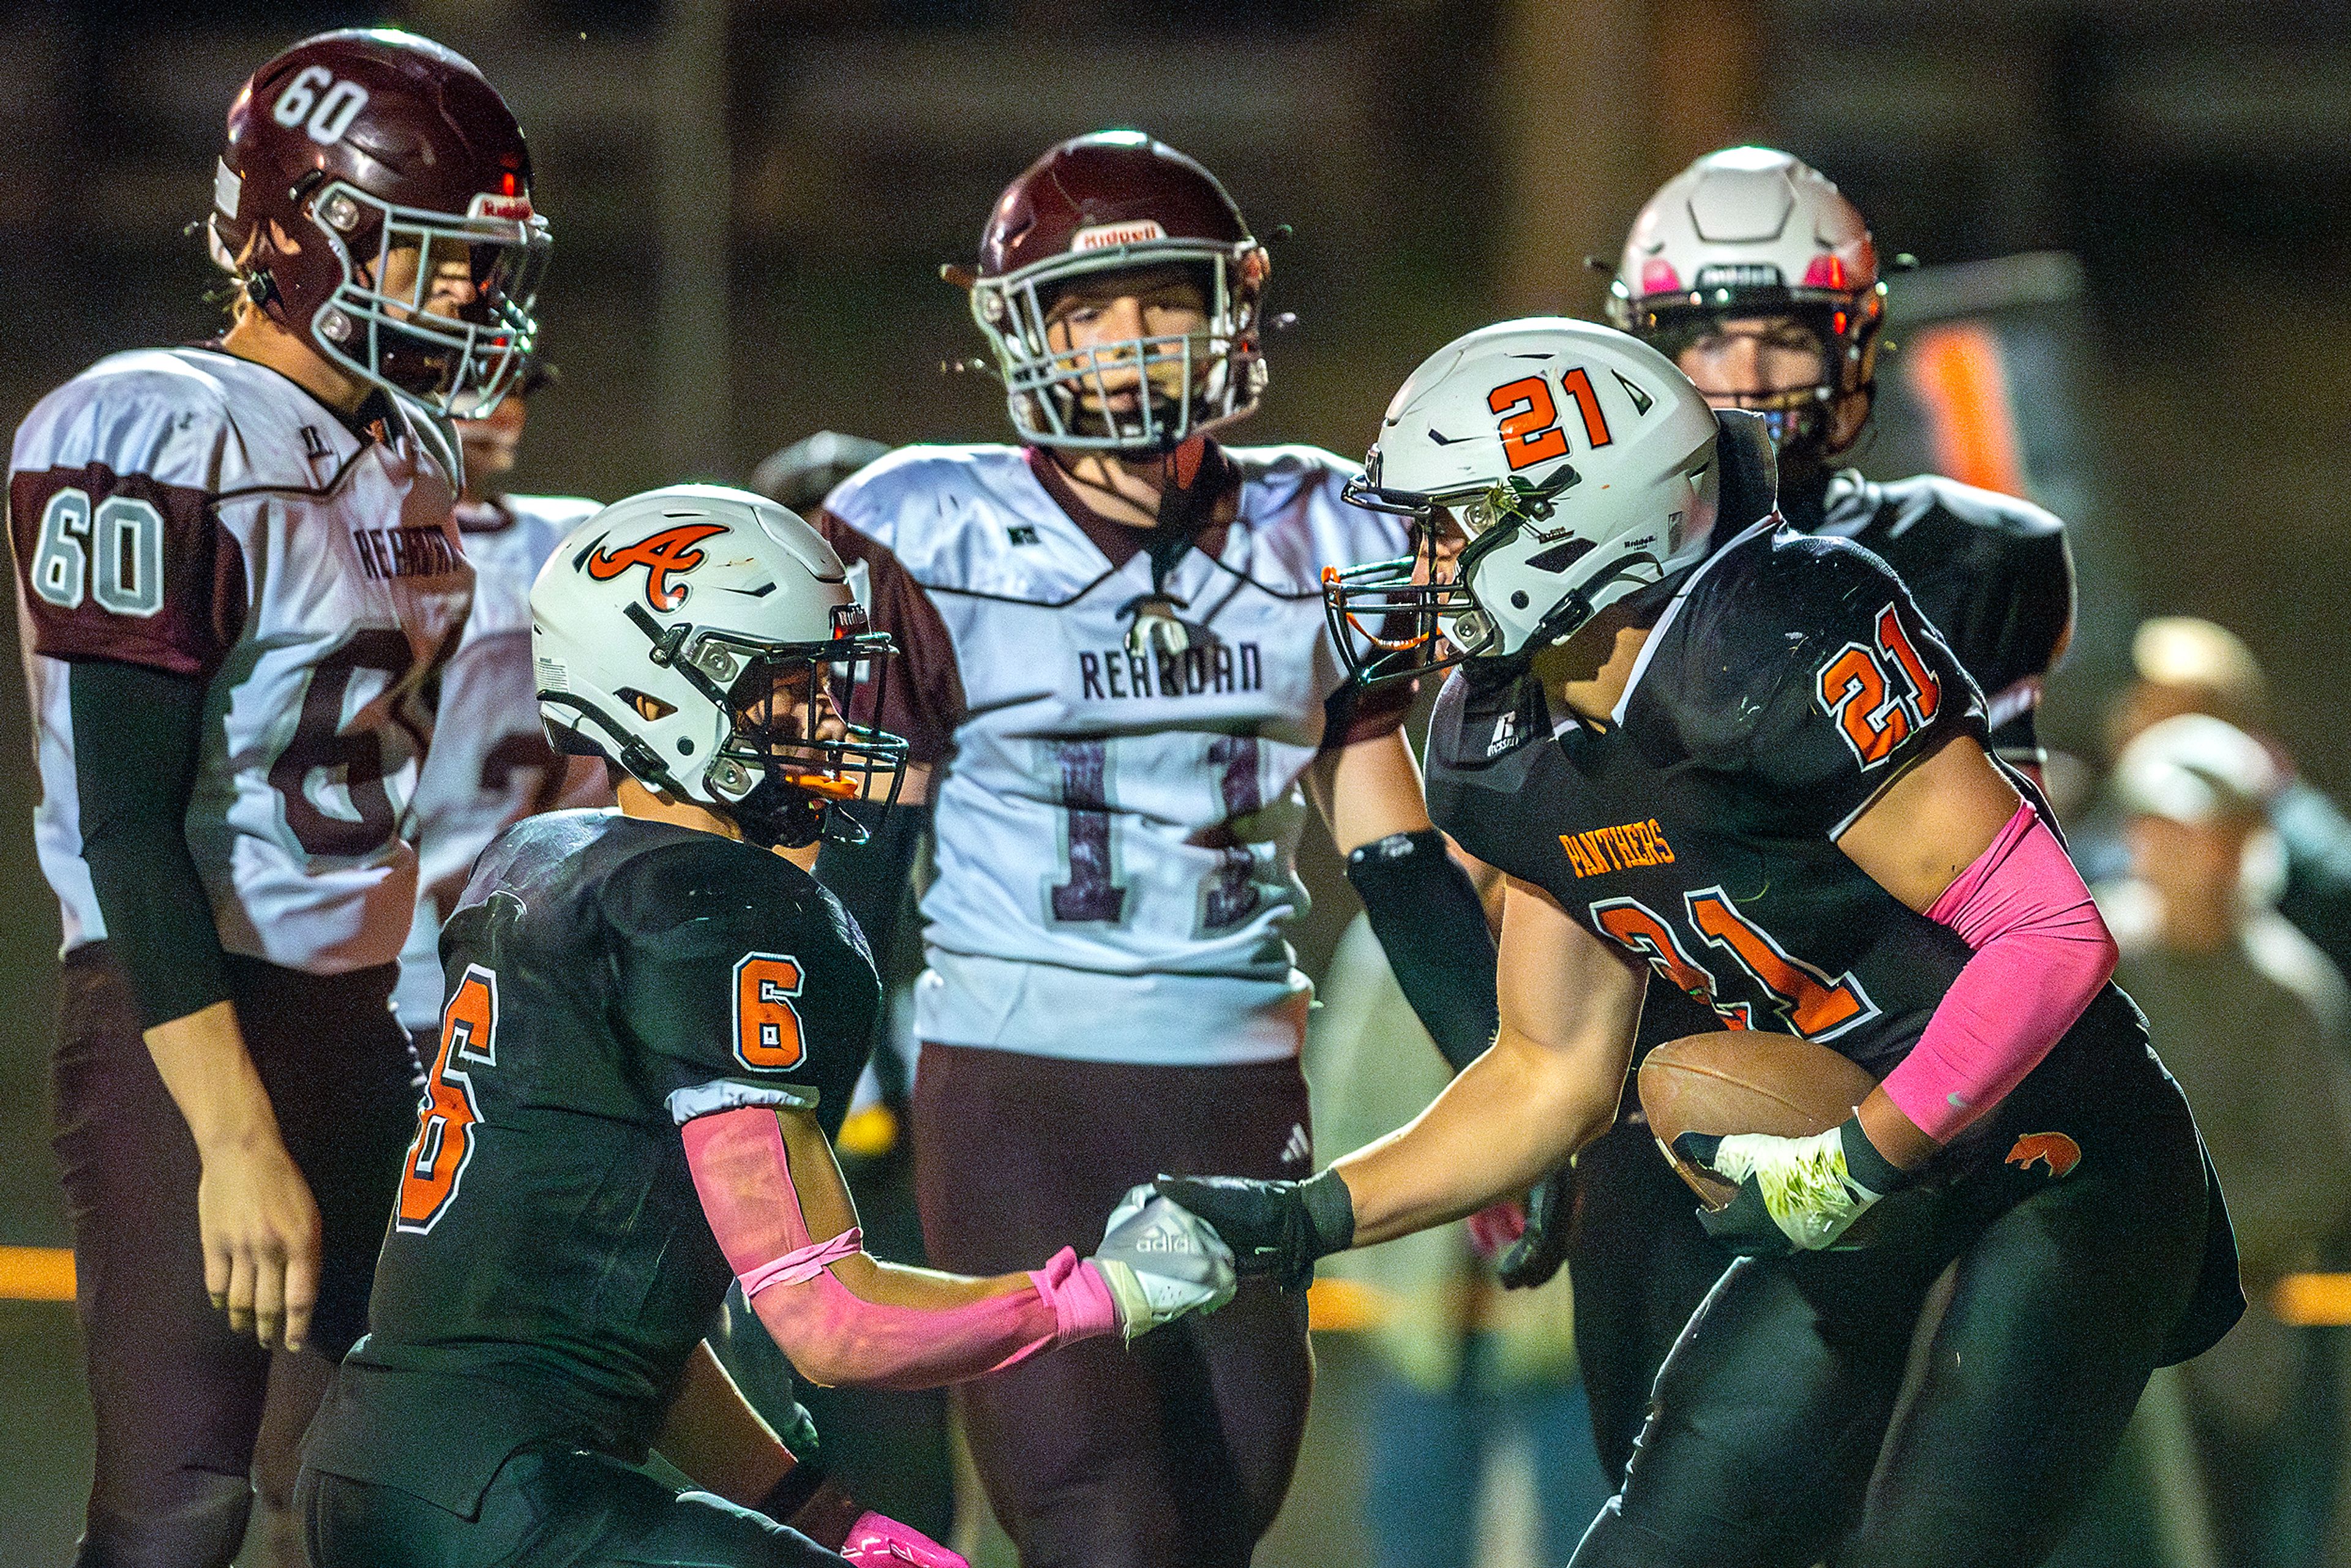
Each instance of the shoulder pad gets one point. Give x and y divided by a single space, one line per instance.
895 499
1803 662
438 437
1292 496
706 889
152 412
1965 506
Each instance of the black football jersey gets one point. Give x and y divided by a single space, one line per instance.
547 1268
1787 681
1990 573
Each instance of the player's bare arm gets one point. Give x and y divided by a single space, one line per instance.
1549 1085
259 1223
716 1438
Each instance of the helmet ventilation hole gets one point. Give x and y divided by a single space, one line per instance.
650 708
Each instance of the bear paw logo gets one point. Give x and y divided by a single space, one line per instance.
2055 1150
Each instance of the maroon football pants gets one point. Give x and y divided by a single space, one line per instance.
1175 1452
190 1417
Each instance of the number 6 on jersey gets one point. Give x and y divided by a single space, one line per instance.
766 1024
445 1125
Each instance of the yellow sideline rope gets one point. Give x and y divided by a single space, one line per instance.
35 1274
46 1274
1334 1306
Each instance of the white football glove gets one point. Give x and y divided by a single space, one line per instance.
1161 1261
1808 1187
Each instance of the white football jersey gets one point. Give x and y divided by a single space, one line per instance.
489 763
1115 830
193 512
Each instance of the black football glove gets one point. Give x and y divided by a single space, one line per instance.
1276 1227
1536 1256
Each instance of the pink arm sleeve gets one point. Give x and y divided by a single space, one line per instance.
831 1334
2041 953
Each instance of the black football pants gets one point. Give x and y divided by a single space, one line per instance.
547 1508
188 1414
1772 1414
1640 1266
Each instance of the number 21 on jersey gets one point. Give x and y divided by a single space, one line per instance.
1811 1003
444 1145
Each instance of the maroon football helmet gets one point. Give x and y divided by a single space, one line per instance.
1116 201
366 142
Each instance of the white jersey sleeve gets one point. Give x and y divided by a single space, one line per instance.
194 513
489 763
1115 825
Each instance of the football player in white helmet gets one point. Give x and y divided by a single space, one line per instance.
1756 275
1751 769
1121 693
654 1024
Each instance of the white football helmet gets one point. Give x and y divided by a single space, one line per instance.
1751 232
706 640
1579 462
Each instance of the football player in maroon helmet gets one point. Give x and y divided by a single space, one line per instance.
1120 694
236 570
374 202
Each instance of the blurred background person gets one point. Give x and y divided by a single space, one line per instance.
2251 1015
1468 1376
2183 664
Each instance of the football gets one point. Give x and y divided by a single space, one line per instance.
1744 1080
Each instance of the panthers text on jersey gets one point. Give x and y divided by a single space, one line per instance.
193 512
489 763
1787 681
1991 573
547 1268
1114 826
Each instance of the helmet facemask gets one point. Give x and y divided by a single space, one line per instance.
384 332
788 761
1189 383
1429 617
1801 420
1417 611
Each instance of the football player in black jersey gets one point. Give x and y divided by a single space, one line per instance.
1751 766
652 1025
1761 281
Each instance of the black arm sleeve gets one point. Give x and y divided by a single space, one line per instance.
136 732
1424 911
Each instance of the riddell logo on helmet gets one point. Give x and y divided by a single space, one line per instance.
1740 274
669 550
515 209
1109 236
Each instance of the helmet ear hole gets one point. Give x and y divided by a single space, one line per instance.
650 708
